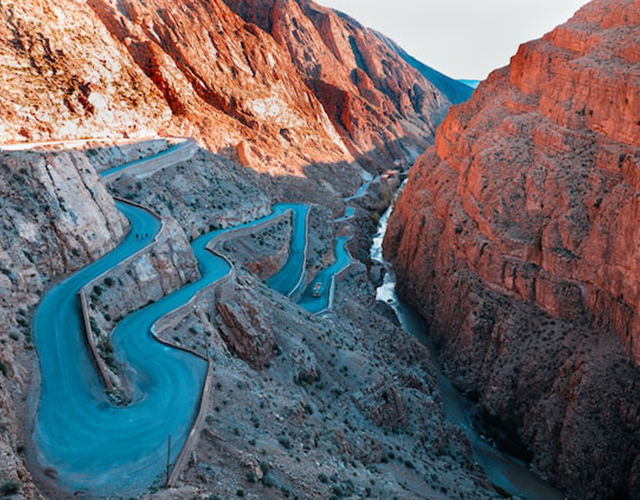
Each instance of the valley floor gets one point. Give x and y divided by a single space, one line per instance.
341 404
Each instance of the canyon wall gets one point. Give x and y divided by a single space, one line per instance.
289 87
377 102
517 237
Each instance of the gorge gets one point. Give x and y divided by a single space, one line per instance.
193 298
517 239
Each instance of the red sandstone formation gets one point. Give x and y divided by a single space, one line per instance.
518 238
372 96
291 85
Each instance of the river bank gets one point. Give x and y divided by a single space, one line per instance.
507 474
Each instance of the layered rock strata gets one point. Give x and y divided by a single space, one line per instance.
517 238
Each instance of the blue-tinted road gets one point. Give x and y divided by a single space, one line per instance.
78 431
93 445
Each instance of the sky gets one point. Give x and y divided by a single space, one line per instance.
461 38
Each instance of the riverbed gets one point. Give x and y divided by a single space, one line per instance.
507 473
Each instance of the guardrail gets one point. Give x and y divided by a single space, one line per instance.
146 167
93 350
303 273
194 434
232 234
334 277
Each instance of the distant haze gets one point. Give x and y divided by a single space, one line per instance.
461 38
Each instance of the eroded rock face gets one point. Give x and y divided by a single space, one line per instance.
64 77
517 237
247 333
289 86
225 81
376 101
55 217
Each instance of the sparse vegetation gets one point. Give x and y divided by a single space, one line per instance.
10 488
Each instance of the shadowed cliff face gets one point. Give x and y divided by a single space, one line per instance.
518 238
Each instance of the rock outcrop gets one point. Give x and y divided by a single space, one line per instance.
55 217
517 237
204 193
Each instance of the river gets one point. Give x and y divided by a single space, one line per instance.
509 474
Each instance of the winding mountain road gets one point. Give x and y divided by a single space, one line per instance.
86 441
79 434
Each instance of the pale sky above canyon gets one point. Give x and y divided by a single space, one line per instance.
461 38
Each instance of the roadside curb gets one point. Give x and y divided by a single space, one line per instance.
84 291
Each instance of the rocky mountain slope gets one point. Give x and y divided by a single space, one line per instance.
283 88
456 91
517 237
371 95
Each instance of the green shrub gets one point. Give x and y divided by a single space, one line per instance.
269 481
285 442
10 488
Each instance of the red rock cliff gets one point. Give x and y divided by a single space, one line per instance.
375 99
293 85
518 238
